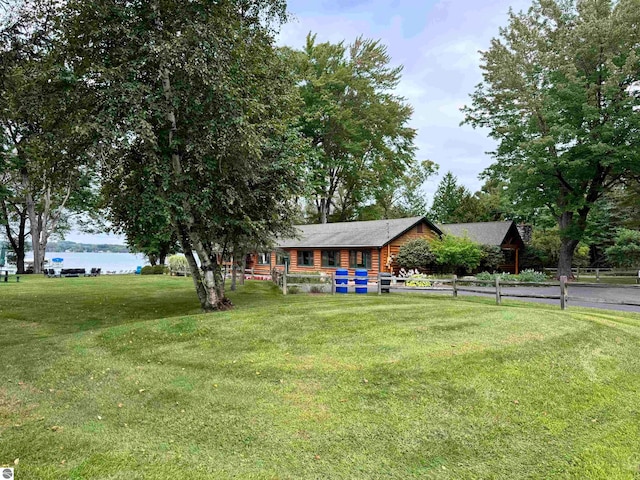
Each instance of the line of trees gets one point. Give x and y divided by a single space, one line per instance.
190 130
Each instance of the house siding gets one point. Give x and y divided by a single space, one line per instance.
317 261
393 248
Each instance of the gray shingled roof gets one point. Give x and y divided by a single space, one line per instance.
484 233
373 233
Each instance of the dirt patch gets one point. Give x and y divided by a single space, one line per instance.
12 409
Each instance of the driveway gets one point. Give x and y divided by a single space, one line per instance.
579 296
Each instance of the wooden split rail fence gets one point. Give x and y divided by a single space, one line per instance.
600 273
497 287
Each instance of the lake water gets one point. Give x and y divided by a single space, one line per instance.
106 261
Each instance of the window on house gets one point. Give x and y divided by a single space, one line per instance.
420 228
360 259
331 258
305 258
264 258
281 258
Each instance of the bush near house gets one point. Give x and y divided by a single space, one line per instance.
416 254
492 258
459 254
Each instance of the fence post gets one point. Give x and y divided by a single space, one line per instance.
597 275
498 293
578 274
454 283
379 284
284 284
563 292
333 283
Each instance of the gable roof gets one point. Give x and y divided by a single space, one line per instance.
372 233
484 233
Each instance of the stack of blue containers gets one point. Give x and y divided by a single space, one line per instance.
341 283
362 276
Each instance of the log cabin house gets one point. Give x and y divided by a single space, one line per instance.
371 245
500 234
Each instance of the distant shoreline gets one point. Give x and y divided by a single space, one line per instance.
73 247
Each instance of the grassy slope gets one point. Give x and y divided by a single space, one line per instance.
404 386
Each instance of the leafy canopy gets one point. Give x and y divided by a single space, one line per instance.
356 125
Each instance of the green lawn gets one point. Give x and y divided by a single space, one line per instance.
122 378
609 279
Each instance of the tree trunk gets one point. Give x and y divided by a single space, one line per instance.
43 222
20 251
565 258
214 285
16 240
35 222
568 243
209 284
323 210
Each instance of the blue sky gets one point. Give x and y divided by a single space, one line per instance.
437 42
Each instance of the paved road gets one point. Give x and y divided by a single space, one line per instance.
579 296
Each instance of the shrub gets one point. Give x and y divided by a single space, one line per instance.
317 277
505 277
146 270
419 280
531 275
492 257
178 264
456 253
153 270
416 254
523 276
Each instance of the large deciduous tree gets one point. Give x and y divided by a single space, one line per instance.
41 116
198 91
560 94
355 122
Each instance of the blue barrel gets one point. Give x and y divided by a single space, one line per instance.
341 281
362 276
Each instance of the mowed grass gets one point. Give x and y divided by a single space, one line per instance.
122 378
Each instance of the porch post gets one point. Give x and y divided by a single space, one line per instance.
517 250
